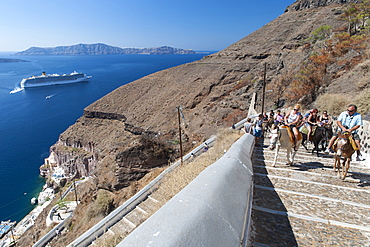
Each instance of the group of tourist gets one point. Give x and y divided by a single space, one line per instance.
348 121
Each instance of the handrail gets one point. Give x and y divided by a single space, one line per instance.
240 124
51 234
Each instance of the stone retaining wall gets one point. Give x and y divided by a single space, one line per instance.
365 140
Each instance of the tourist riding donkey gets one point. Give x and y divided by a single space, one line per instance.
317 130
348 121
326 121
289 136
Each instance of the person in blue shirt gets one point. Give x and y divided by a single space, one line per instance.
348 121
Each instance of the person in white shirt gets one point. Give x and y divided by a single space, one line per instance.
292 119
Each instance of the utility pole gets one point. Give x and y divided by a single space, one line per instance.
74 187
178 115
263 90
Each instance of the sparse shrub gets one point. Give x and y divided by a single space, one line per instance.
176 142
333 103
344 43
103 204
362 102
112 241
337 103
62 203
321 33
181 176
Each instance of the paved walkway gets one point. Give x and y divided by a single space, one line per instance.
57 215
306 204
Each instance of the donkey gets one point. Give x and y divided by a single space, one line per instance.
320 135
343 148
286 142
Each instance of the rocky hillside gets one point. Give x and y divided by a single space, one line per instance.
214 92
100 49
124 135
307 4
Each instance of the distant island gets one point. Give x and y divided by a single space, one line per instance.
11 60
100 49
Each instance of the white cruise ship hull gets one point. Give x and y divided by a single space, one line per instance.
49 80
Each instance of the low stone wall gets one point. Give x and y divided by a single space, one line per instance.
213 210
365 141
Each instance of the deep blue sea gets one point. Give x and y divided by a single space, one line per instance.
30 123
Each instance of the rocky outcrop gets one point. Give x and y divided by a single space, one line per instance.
101 49
307 4
104 115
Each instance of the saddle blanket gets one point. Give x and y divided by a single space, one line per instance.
351 140
303 129
291 135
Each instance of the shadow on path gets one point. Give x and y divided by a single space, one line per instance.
270 223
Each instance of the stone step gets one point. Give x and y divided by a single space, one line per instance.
358 195
322 175
308 162
149 206
306 204
136 216
324 208
128 223
284 230
123 227
305 157
159 197
105 238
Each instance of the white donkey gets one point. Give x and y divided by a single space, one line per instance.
286 142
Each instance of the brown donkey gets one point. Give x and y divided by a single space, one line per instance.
343 149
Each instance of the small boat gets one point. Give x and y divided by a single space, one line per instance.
34 201
54 79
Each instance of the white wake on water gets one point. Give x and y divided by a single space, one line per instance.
49 96
16 90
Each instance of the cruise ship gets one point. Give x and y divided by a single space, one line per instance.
54 79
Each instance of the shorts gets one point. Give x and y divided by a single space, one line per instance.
355 136
276 123
257 133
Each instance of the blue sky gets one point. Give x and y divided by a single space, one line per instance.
192 24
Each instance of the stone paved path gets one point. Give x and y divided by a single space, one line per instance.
306 204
